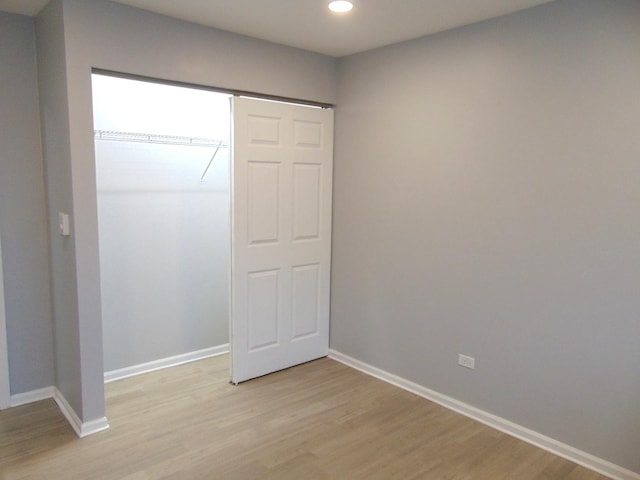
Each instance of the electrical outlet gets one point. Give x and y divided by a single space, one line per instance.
467 362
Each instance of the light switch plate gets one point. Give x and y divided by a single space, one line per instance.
63 219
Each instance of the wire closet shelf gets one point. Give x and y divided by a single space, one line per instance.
161 139
164 140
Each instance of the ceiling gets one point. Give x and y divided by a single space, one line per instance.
309 25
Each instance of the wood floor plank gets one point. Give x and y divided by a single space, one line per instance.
321 420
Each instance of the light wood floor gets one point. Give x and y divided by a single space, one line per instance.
321 420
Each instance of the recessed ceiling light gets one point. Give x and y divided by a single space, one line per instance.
340 6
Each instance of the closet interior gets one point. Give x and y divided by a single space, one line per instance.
163 188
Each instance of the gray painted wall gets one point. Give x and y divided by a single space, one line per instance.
22 211
77 35
486 203
54 123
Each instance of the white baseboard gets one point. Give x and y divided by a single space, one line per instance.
126 372
32 396
554 446
5 387
82 429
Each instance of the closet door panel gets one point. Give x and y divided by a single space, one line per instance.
281 248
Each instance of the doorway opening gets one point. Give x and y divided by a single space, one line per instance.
163 191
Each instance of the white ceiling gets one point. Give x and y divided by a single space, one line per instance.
309 25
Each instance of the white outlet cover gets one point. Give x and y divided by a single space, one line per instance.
466 361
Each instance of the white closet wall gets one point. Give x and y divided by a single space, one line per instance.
164 228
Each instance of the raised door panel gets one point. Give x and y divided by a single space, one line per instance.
263 131
306 299
307 188
262 310
263 188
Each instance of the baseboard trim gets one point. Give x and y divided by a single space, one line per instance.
126 372
563 450
32 396
82 429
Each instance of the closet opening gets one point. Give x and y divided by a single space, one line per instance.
163 193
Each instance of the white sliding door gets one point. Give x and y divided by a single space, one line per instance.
281 242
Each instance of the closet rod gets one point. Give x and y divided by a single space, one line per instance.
162 139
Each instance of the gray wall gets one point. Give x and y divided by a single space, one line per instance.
54 122
486 202
22 211
98 33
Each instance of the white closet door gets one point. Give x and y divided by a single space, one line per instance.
281 241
